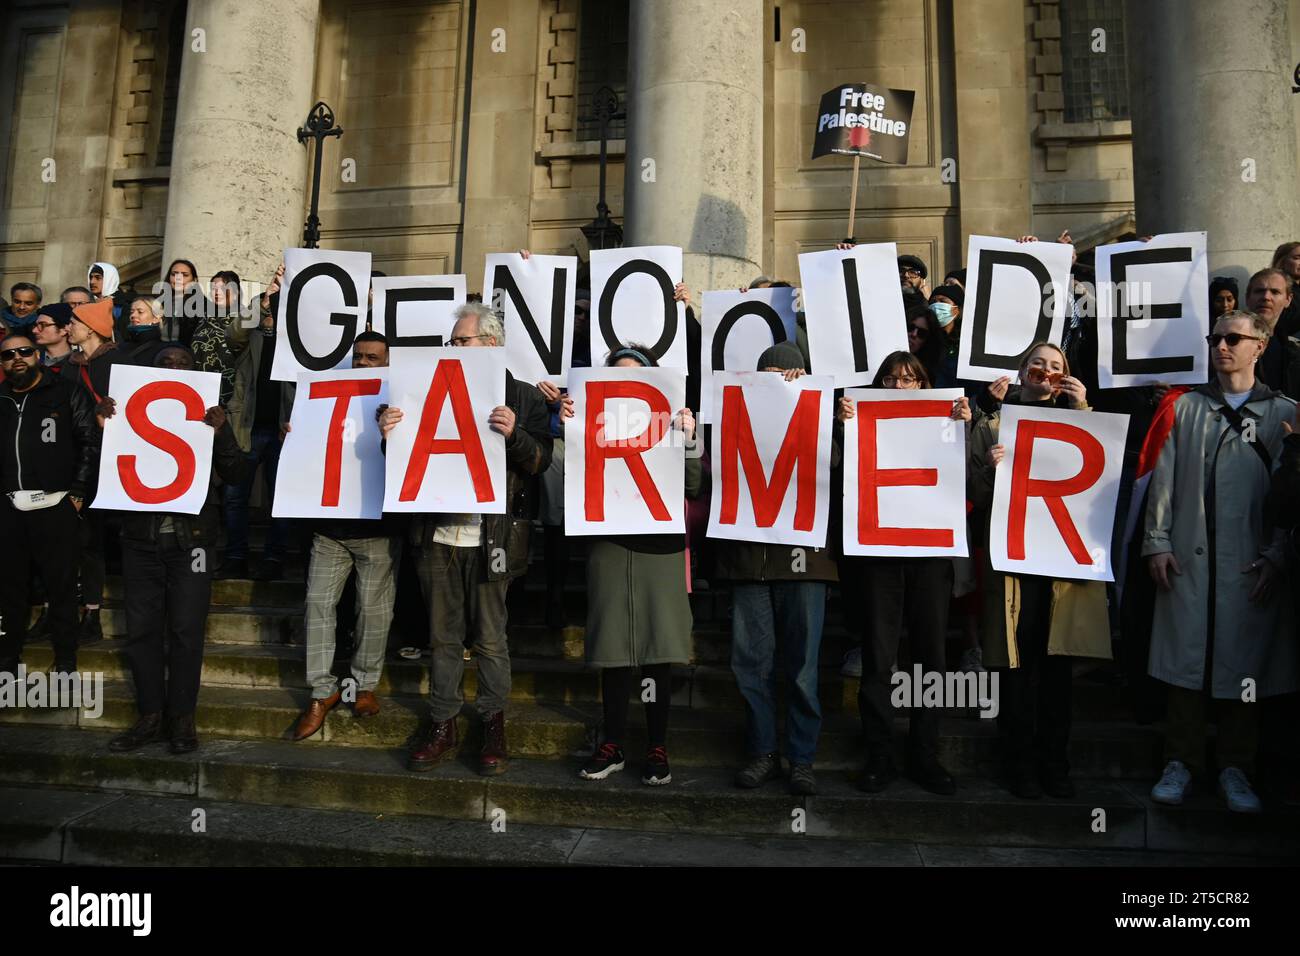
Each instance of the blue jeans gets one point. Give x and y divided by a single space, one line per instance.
791 612
265 451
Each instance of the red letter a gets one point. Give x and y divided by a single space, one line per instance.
448 382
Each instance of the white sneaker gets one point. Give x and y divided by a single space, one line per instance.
1236 790
1174 784
852 666
972 661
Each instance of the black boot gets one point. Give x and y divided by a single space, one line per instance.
147 730
90 631
184 738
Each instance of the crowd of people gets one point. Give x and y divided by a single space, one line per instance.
1201 614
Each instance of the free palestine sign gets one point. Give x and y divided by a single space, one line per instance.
858 119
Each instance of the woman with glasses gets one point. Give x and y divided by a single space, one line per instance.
1034 626
1220 627
897 593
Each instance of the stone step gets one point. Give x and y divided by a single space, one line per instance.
967 746
534 679
699 800
97 828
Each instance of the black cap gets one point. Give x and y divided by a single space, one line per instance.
913 262
60 313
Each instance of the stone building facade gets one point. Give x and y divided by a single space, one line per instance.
140 130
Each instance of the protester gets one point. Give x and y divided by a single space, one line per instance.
912 274
463 581
926 341
638 615
50 332
167 591
372 548
1223 296
779 608
143 338
1268 295
102 280
45 475
183 302
258 409
1213 555
1034 626
1286 259
946 302
218 336
75 295
24 300
91 331
890 594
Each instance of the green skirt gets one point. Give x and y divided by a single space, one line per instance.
638 611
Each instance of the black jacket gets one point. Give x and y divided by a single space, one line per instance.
141 348
528 454
93 373
231 465
37 457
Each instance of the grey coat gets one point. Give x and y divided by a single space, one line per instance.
1206 506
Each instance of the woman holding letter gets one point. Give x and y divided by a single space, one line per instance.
897 592
1033 625
638 615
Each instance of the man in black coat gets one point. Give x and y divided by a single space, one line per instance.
167 572
49 463
466 563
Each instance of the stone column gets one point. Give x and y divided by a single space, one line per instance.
85 121
1214 129
238 173
694 174
993 147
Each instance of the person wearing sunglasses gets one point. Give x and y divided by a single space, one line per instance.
49 458
1034 626
888 595
1220 626
926 340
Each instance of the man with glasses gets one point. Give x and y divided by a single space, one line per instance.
49 457
1218 633
911 274
466 562
50 332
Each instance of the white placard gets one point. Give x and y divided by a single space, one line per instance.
632 301
904 474
416 311
624 469
157 452
1055 492
332 463
1153 311
443 456
323 300
771 458
737 328
536 296
1018 294
853 308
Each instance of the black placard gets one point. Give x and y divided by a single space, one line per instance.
858 119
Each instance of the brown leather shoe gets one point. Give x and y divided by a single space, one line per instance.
314 717
366 705
441 743
492 759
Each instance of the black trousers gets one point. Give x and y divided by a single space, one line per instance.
48 542
165 598
1036 703
93 529
911 592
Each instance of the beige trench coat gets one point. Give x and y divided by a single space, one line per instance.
1250 641
1080 622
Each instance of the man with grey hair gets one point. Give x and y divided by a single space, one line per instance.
466 562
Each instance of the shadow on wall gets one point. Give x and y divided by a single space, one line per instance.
721 228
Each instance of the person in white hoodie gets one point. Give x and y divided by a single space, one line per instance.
103 280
